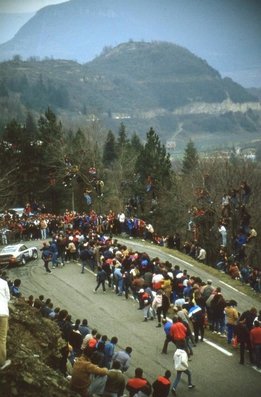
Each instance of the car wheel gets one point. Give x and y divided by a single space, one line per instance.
35 255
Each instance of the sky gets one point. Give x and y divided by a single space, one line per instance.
14 6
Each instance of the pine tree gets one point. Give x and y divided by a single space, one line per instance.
109 150
190 160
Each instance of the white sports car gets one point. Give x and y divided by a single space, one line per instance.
17 254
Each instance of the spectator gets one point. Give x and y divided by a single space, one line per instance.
138 385
166 325
115 383
231 319
124 358
109 351
255 339
81 375
4 316
83 327
15 289
202 255
181 366
161 385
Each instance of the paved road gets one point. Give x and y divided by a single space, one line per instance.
215 373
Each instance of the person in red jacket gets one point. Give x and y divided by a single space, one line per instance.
255 339
138 384
161 385
178 332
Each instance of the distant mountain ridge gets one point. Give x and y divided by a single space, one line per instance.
142 84
80 29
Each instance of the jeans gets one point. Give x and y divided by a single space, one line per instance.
3 335
257 352
230 332
84 264
179 373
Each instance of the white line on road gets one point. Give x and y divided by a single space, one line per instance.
234 289
221 349
181 260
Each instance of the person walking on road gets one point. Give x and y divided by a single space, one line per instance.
180 359
46 256
100 278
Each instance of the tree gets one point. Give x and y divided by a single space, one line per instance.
154 170
109 150
190 160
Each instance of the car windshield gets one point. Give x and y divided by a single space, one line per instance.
10 248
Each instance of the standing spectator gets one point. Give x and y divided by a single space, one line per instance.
218 305
197 315
255 339
100 278
223 231
84 256
181 366
138 385
43 228
161 385
231 319
46 257
71 250
202 255
4 316
157 306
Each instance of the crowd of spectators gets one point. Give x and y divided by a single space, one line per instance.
156 286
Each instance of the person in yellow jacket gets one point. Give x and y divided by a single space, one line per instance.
231 314
83 368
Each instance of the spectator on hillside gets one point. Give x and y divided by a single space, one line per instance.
202 255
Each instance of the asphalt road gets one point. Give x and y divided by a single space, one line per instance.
216 371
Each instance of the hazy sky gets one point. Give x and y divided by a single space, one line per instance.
25 5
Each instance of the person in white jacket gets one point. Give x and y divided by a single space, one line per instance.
4 316
180 359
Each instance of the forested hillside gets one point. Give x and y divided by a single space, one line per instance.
143 84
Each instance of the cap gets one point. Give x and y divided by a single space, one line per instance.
209 281
141 290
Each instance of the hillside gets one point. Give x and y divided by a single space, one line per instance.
155 84
224 33
33 345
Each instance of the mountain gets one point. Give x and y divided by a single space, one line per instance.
225 33
11 23
142 84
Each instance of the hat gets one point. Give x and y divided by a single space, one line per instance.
209 281
141 290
